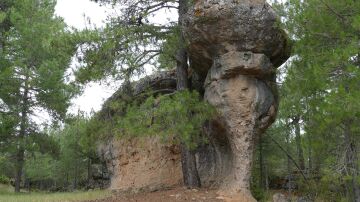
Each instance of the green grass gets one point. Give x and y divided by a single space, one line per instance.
7 195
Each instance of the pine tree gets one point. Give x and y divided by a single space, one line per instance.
131 41
322 87
36 52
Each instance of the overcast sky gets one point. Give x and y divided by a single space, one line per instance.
75 13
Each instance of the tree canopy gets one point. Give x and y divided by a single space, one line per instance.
36 52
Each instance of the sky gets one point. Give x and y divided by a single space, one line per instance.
75 14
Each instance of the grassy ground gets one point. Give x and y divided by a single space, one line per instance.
7 195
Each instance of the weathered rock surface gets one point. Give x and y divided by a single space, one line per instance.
215 27
237 44
234 48
158 83
141 164
279 197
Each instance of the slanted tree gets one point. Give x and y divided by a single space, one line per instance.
125 47
36 52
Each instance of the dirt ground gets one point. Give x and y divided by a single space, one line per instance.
178 194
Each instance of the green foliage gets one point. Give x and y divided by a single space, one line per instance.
35 52
4 179
258 193
168 50
2 16
78 147
321 89
178 117
42 60
8 196
130 42
75 147
40 168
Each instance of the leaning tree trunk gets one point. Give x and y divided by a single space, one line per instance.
188 161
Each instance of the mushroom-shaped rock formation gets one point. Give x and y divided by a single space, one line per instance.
237 44
215 27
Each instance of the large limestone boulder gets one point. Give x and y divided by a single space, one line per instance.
143 163
237 45
247 106
215 27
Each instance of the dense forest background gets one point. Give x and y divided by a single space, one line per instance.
312 148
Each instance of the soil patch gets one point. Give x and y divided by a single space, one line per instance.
178 194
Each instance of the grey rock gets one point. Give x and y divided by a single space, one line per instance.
236 45
215 27
279 197
162 82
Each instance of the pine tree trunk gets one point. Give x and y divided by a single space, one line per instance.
18 169
76 172
261 162
266 175
351 163
67 180
298 144
21 137
190 173
89 171
288 163
310 160
188 161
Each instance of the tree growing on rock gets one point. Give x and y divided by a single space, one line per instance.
133 41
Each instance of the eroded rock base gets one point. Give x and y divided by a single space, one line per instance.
238 87
142 164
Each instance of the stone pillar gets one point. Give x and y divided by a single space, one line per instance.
246 106
236 45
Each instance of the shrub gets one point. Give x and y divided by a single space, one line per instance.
4 179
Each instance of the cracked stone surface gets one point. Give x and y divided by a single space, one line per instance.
237 45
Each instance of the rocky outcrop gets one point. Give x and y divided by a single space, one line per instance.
162 82
237 44
235 47
141 164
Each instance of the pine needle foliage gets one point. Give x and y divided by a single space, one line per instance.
175 118
321 89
